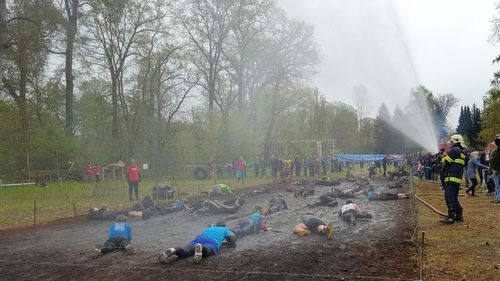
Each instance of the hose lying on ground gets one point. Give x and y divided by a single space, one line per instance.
430 206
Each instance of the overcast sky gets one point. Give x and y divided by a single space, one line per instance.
391 46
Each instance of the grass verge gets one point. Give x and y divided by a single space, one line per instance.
462 251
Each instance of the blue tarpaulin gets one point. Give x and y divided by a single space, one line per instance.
356 158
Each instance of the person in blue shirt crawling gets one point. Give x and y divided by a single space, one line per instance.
119 237
254 224
206 244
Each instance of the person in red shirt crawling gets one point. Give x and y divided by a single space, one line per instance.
89 170
133 177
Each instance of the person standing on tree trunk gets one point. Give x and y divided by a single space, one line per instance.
134 178
454 164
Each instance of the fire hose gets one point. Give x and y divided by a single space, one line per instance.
430 206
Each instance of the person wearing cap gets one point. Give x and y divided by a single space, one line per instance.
208 243
313 224
134 178
351 211
277 203
495 167
472 166
453 165
119 237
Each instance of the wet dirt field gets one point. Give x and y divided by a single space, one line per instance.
375 249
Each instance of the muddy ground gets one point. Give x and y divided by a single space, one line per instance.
376 249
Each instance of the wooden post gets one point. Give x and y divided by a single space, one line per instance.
34 213
423 237
74 208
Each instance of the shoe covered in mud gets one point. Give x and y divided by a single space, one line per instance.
329 231
448 220
129 249
351 218
96 253
165 255
198 253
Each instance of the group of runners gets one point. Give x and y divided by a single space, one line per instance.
210 240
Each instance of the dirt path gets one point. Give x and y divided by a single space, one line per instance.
373 249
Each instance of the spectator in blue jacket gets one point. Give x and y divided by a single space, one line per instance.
206 244
119 237
470 173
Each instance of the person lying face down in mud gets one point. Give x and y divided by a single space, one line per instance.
325 200
399 183
384 196
348 193
350 211
304 191
216 207
263 189
208 243
397 174
145 209
313 224
254 224
277 203
325 181
119 237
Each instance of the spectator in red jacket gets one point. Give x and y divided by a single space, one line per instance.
133 177
89 170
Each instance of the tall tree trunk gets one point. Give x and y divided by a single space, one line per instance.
115 133
3 26
270 127
71 29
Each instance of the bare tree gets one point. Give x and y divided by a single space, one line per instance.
117 29
444 103
207 24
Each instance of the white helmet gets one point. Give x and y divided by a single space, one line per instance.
457 139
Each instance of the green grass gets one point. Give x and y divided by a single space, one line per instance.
56 201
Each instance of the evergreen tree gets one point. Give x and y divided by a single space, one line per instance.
476 126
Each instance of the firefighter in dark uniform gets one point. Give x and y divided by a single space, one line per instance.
454 164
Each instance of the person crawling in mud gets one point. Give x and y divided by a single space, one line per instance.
384 196
304 191
325 200
277 204
263 189
119 237
208 243
397 174
216 207
313 224
349 176
350 212
254 224
325 181
372 170
219 189
103 213
348 193
399 183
